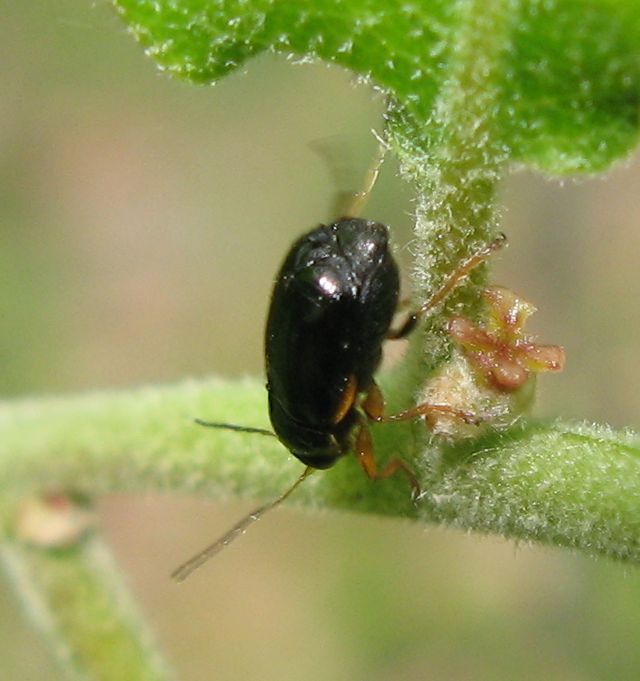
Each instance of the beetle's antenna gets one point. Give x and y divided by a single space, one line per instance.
348 204
233 426
359 200
182 572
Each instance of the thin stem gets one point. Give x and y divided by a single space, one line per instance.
77 601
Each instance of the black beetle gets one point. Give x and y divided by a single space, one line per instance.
332 307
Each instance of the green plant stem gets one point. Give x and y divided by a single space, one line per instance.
458 173
456 162
561 484
567 485
76 599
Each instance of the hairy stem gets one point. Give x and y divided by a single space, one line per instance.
456 162
556 483
76 600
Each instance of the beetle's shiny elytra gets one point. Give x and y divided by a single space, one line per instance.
331 309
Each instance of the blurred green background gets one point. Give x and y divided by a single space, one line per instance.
141 222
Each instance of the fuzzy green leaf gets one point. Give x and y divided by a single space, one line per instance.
567 71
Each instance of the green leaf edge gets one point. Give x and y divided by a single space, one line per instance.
569 76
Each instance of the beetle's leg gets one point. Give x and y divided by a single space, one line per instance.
427 408
367 459
373 403
407 327
373 407
453 280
